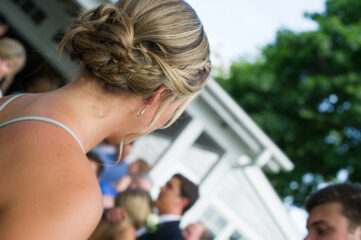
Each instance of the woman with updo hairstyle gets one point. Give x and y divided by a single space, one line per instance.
138 206
142 62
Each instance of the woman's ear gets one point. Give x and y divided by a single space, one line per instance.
156 95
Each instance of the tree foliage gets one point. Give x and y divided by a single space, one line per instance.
305 93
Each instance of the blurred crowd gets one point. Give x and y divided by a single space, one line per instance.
129 211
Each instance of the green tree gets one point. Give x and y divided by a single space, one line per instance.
305 93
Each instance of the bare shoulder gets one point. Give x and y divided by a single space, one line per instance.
50 190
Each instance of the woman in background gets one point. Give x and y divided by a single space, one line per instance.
138 206
142 62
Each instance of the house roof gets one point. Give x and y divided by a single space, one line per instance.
268 153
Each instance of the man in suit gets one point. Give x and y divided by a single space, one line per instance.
176 197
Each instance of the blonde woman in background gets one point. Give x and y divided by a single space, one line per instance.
12 60
138 206
142 62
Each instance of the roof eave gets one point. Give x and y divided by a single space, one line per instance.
244 122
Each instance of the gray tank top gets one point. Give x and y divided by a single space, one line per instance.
37 118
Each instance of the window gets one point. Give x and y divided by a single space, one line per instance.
31 9
236 236
202 157
213 220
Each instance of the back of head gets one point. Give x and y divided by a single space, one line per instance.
138 205
136 46
13 49
189 190
348 195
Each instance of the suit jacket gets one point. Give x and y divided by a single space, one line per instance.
166 231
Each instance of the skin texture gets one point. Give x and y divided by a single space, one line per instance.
49 190
193 231
326 221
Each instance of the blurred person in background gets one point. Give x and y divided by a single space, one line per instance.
108 191
135 168
175 198
95 163
141 181
109 153
3 26
12 60
43 80
137 205
334 213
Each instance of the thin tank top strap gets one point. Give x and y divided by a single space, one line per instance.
9 101
44 119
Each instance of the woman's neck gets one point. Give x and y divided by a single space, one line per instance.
91 114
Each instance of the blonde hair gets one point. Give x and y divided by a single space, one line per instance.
13 49
138 205
137 46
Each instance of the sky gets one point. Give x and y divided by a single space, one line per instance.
240 28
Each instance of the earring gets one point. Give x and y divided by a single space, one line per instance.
142 112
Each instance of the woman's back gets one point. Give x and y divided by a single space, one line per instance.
44 178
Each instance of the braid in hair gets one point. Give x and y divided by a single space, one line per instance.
139 45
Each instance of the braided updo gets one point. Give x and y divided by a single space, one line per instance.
136 46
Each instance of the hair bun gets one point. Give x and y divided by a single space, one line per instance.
101 39
139 45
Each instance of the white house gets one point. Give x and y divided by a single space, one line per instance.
219 147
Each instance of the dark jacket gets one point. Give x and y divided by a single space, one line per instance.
166 231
